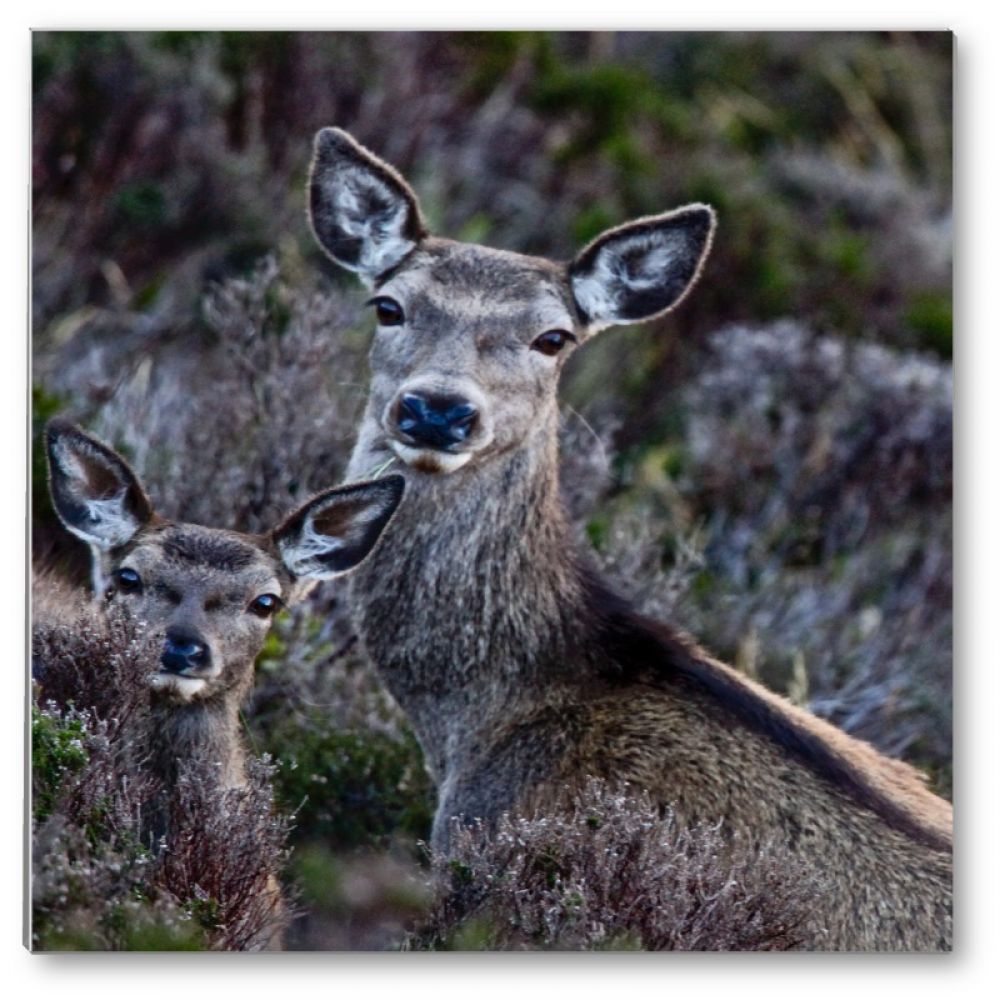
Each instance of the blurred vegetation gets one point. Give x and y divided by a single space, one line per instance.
770 465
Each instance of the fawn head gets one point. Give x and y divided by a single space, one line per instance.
470 340
212 593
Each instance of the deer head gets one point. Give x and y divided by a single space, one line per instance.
212 593
470 341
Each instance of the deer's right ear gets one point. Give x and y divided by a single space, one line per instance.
364 215
94 492
335 530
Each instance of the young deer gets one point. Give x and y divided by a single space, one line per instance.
212 593
521 672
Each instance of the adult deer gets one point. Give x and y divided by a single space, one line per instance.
521 671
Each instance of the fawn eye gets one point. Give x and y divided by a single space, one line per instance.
128 581
552 342
265 605
388 311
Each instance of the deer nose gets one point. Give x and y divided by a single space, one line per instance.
183 651
436 421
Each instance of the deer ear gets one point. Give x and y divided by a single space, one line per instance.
364 215
335 530
642 269
94 492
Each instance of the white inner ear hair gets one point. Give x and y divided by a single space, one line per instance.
382 242
108 522
110 525
304 555
626 264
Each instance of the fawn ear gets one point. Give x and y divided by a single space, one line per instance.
94 492
364 215
335 530
642 269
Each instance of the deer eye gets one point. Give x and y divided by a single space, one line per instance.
128 581
552 341
265 605
388 311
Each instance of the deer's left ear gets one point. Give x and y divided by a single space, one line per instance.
94 492
643 269
335 530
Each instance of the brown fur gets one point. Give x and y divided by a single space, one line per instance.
202 584
522 674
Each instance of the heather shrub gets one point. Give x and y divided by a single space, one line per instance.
780 489
798 523
269 408
100 880
612 872
349 767
347 763
159 157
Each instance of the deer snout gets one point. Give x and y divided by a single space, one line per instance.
184 652
436 421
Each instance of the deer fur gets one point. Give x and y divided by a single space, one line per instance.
204 584
207 586
521 672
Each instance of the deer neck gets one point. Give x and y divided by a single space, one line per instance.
469 607
204 732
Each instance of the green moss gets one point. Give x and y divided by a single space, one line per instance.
57 751
592 220
44 406
674 461
474 934
461 874
141 204
929 317
317 873
349 788
61 938
159 935
597 531
849 253
476 228
275 648
704 585
145 298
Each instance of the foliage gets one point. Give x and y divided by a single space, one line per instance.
100 882
781 488
612 873
351 787
800 521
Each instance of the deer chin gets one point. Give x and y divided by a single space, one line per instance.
429 460
177 687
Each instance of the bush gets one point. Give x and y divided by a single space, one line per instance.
782 491
611 873
99 879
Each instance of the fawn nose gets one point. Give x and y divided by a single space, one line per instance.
436 421
183 651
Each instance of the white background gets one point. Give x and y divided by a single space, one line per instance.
972 971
